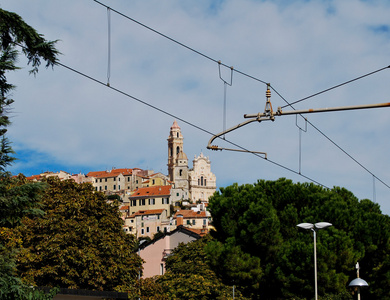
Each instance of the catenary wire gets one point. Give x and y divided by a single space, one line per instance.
242 73
259 80
334 87
186 122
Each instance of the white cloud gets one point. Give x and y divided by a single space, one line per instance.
301 47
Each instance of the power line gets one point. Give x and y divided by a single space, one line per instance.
185 121
259 80
336 86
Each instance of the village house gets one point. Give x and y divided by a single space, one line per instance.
155 252
155 197
146 223
192 219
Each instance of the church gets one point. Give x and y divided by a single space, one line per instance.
196 184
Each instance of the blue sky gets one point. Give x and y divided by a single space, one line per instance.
65 121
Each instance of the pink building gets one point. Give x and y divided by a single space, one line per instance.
155 252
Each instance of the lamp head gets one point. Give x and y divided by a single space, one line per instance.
306 225
321 225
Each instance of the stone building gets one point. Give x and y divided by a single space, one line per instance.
196 184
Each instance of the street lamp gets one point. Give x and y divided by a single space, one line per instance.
314 228
358 282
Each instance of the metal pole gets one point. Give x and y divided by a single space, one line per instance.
139 274
315 265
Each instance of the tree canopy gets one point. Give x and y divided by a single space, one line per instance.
189 275
78 243
258 245
16 198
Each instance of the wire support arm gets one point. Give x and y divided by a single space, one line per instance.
279 112
215 147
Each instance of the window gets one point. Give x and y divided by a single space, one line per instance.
177 194
152 201
205 182
105 179
165 200
128 178
114 187
141 202
161 269
133 202
198 181
119 187
142 224
193 222
181 172
177 150
147 229
188 222
100 180
114 179
204 222
158 229
100 188
96 188
142 231
119 179
201 180
105 188
153 181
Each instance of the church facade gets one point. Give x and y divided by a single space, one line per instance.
196 184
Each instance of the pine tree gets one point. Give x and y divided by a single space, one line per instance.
17 197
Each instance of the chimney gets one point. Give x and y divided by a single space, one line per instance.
179 220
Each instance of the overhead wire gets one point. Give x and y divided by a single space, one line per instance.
186 122
336 86
239 72
262 81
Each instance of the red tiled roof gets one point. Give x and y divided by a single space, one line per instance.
112 173
190 214
147 212
201 232
34 177
124 207
158 190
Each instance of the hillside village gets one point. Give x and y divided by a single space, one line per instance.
154 202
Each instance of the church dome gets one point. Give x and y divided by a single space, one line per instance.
182 156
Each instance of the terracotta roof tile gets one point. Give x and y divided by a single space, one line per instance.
147 212
187 214
158 190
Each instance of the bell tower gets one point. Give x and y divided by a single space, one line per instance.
175 146
177 159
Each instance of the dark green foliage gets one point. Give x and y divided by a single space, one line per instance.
79 242
189 275
17 198
259 247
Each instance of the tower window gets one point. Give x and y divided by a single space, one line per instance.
177 134
177 150
181 172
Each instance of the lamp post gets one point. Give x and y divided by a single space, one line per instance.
358 282
314 228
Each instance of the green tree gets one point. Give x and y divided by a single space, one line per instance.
78 243
16 197
260 221
189 276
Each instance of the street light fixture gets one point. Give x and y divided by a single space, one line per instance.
314 228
